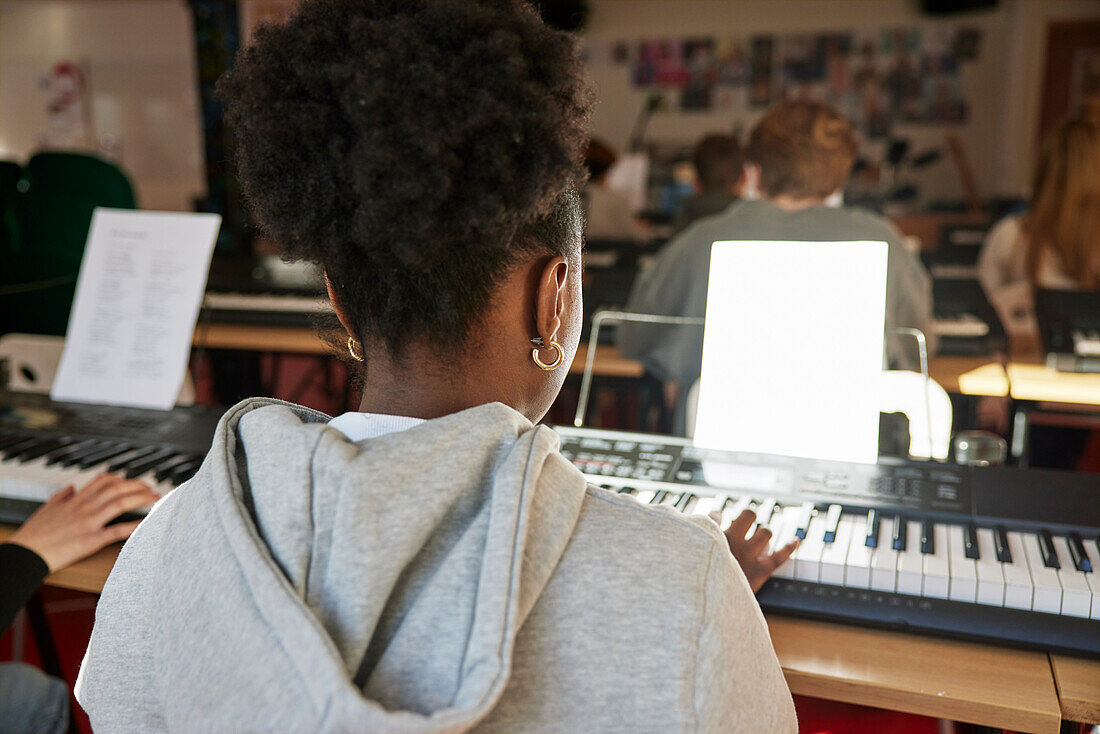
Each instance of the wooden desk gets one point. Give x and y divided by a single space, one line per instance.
962 681
87 575
1078 684
608 362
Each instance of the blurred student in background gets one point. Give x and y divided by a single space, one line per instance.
719 175
798 156
607 212
1056 242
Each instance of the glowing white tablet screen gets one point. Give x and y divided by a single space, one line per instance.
792 349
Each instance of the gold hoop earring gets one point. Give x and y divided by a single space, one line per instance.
351 350
553 365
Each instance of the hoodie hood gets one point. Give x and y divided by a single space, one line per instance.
394 572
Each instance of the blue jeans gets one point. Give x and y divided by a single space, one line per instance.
32 702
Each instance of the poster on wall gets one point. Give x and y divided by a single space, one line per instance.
877 78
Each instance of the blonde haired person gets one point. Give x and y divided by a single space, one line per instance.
798 157
1056 244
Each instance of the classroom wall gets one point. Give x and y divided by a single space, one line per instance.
1003 83
139 59
139 56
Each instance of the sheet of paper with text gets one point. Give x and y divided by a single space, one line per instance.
792 349
137 297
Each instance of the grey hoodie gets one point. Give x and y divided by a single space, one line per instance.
453 577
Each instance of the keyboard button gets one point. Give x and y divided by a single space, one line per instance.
857 568
1047 595
1093 579
910 562
964 575
1019 588
991 578
873 524
835 553
927 537
970 541
807 557
884 560
1077 553
1076 594
832 523
1046 547
1000 544
901 533
937 566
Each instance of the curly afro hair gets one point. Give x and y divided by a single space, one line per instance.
415 149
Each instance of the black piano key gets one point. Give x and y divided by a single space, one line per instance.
832 522
927 537
626 490
901 533
970 541
1077 552
75 453
164 470
684 504
134 471
52 457
184 472
1000 542
17 446
34 449
8 440
874 522
125 462
98 457
658 497
1046 546
804 520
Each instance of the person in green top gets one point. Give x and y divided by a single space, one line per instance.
798 159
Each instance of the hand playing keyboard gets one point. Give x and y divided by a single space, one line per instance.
72 524
752 552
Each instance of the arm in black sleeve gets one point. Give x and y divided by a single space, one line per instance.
21 573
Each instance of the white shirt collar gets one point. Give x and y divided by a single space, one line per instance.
361 426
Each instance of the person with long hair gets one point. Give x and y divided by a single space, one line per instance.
1056 242
429 562
799 157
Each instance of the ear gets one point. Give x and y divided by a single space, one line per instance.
338 307
550 297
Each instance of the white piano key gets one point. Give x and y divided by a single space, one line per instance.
835 554
1076 594
807 557
884 559
764 512
733 510
991 578
857 566
645 496
784 533
964 576
1047 594
707 504
1093 578
1018 585
911 562
937 566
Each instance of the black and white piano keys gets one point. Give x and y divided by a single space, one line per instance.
35 466
1035 571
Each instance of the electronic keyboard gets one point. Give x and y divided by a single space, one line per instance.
1069 327
46 445
965 323
997 554
263 291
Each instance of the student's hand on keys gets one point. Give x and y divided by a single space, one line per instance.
72 525
752 553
